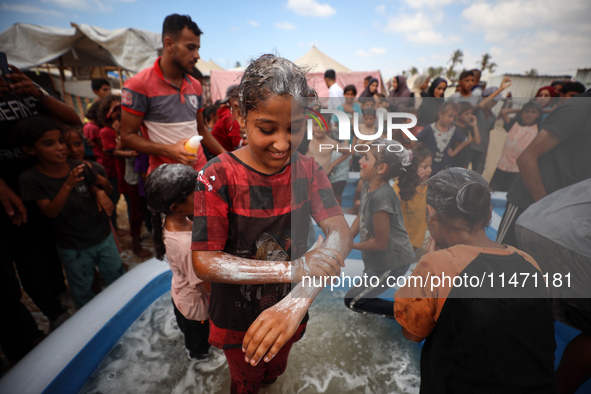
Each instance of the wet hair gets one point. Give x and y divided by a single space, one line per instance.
396 161
270 76
174 24
465 74
409 181
105 107
573 87
330 74
464 106
98 83
92 111
167 185
350 88
31 130
459 194
369 112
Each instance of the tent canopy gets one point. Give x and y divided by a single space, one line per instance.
85 46
318 61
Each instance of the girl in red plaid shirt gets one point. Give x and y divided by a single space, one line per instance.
250 225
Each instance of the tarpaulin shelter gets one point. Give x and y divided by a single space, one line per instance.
81 48
84 52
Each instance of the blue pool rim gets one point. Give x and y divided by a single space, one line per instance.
73 377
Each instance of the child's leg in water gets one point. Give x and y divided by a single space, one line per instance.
248 379
363 299
196 334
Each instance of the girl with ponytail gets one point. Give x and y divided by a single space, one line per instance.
169 193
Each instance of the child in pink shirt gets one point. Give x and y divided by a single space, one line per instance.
169 191
521 132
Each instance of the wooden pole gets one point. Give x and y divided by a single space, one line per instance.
63 78
120 72
50 76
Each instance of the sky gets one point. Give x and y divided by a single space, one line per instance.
390 35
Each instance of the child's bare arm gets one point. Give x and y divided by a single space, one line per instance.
381 228
476 133
103 202
344 156
505 112
220 267
504 85
101 181
355 228
52 208
277 324
452 152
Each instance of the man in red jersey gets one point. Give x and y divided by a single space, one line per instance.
165 102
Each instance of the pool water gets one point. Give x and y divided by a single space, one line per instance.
341 352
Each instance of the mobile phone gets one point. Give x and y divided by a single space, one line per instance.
4 66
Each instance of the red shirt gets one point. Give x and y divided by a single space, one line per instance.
169 112
92 132
252 215
109 139
227 130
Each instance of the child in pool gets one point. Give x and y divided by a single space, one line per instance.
170 191
439 137
250 227
384 243
67 191
521 131
413 196
478 337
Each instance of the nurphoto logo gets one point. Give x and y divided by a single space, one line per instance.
344 127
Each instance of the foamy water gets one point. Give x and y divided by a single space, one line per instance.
341 352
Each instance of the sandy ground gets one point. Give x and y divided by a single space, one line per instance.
497 139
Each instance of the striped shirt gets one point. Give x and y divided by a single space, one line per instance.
169 113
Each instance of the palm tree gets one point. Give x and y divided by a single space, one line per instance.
491 67
531 73
434 72
485 61
413 70
457 57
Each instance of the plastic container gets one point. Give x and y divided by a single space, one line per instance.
192 145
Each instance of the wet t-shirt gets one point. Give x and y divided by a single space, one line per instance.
399 251
485 338
245 213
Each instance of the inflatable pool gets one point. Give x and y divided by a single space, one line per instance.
67 358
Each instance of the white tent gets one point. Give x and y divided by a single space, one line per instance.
318 61
206 67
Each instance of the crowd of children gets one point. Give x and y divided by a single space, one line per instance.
237 264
